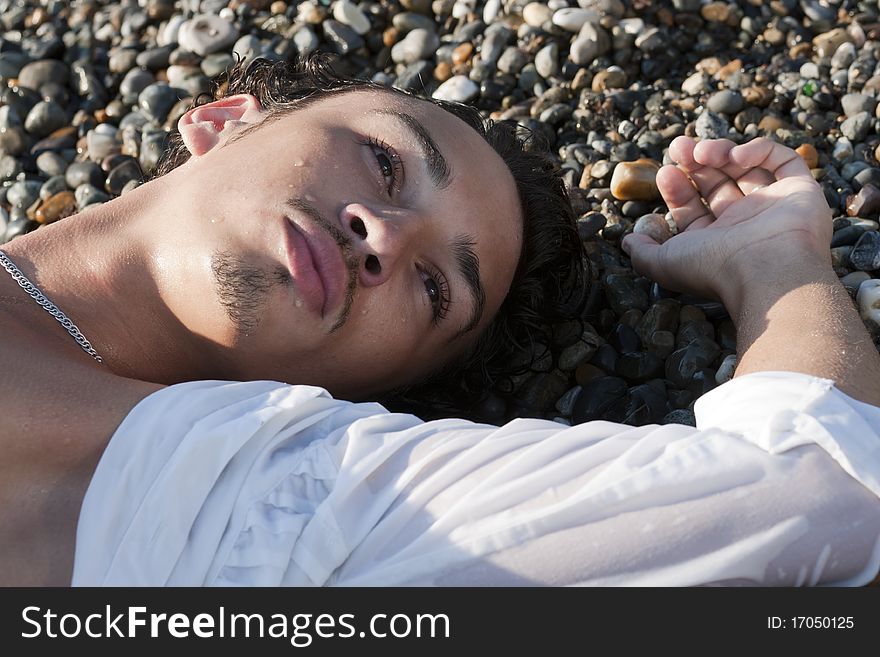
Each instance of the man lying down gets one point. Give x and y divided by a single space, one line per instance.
351 240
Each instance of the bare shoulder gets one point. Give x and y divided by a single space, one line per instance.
58 411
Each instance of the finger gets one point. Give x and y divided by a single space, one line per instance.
682 198
715 186
780 161
716 153
645 254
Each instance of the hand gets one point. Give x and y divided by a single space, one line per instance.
749 207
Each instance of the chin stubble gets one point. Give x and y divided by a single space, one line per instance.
243 290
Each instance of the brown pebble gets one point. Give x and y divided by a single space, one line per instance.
716 12
808 152
442 72
654 226
729 69
278 7
610 78
462 52
57 206
690 313
771 123
799 50
758 96
635 181
390 36
864 204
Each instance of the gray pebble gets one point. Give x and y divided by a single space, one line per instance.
856 127
84 173
10 167
865 255
51 163
13 141
856 103
157 100
35 74
133 83
45 117
52 186
711 125
88 194
726 102
23 193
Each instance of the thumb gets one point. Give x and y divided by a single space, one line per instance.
644 253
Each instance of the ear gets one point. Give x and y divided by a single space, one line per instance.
204 127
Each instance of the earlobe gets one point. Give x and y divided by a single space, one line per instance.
204 127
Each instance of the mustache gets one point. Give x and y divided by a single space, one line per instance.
345 246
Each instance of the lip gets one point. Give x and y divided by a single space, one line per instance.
316 265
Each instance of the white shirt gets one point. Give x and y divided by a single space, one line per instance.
263 483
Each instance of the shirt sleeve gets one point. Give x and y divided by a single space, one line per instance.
263 483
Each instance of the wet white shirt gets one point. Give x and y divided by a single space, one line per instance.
262 483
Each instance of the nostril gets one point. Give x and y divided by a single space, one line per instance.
372 265
358 227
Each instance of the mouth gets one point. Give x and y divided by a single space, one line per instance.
316 266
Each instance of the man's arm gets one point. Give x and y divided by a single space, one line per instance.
753 231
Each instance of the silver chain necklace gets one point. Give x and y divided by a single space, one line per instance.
48 306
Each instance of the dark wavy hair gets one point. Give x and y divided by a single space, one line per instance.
551 279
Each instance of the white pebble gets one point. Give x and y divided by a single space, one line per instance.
868 298
491 11
536 14
169 34
572 19
459 88
632 25
345 11
843 149
463 7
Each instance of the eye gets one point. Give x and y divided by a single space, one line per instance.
437 289
390 165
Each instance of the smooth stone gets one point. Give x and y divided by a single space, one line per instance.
809 155
349 13
206 33
305 39
418 44
155 59
23 193
50 163
844 56
211 65
726 370
122 174
35 74
868 175
9 117
654 226
10 167
856 127
84 173
695 84
573 19
89 194
680 416
100 145
61 205
683 363
542 390
711 125
512 60
826 44
868 301
865 255
44 118
13 141
19 226
565 405
624 338
661 316
547 60
157 100
643 404
536 14
865 203
409 20
133 83
576 354
726 102
596 397
639 366
846 236
842 150
691 330
458 88
853 280
52 186
590 224
342 37
855 103
413 76
635 181
623 293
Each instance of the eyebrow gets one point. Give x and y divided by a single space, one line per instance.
438 167
468 264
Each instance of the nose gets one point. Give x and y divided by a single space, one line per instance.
383 239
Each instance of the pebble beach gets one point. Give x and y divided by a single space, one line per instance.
90 89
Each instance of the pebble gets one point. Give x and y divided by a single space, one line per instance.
635 181
654 226
573 19
206 33
856 127
44 118
35 74
866 203
868 301
865 255
58 206
711 125
809 154
458 88
349 13
726 102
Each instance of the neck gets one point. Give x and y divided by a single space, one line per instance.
101 268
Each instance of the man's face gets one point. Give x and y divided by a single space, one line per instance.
358 243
